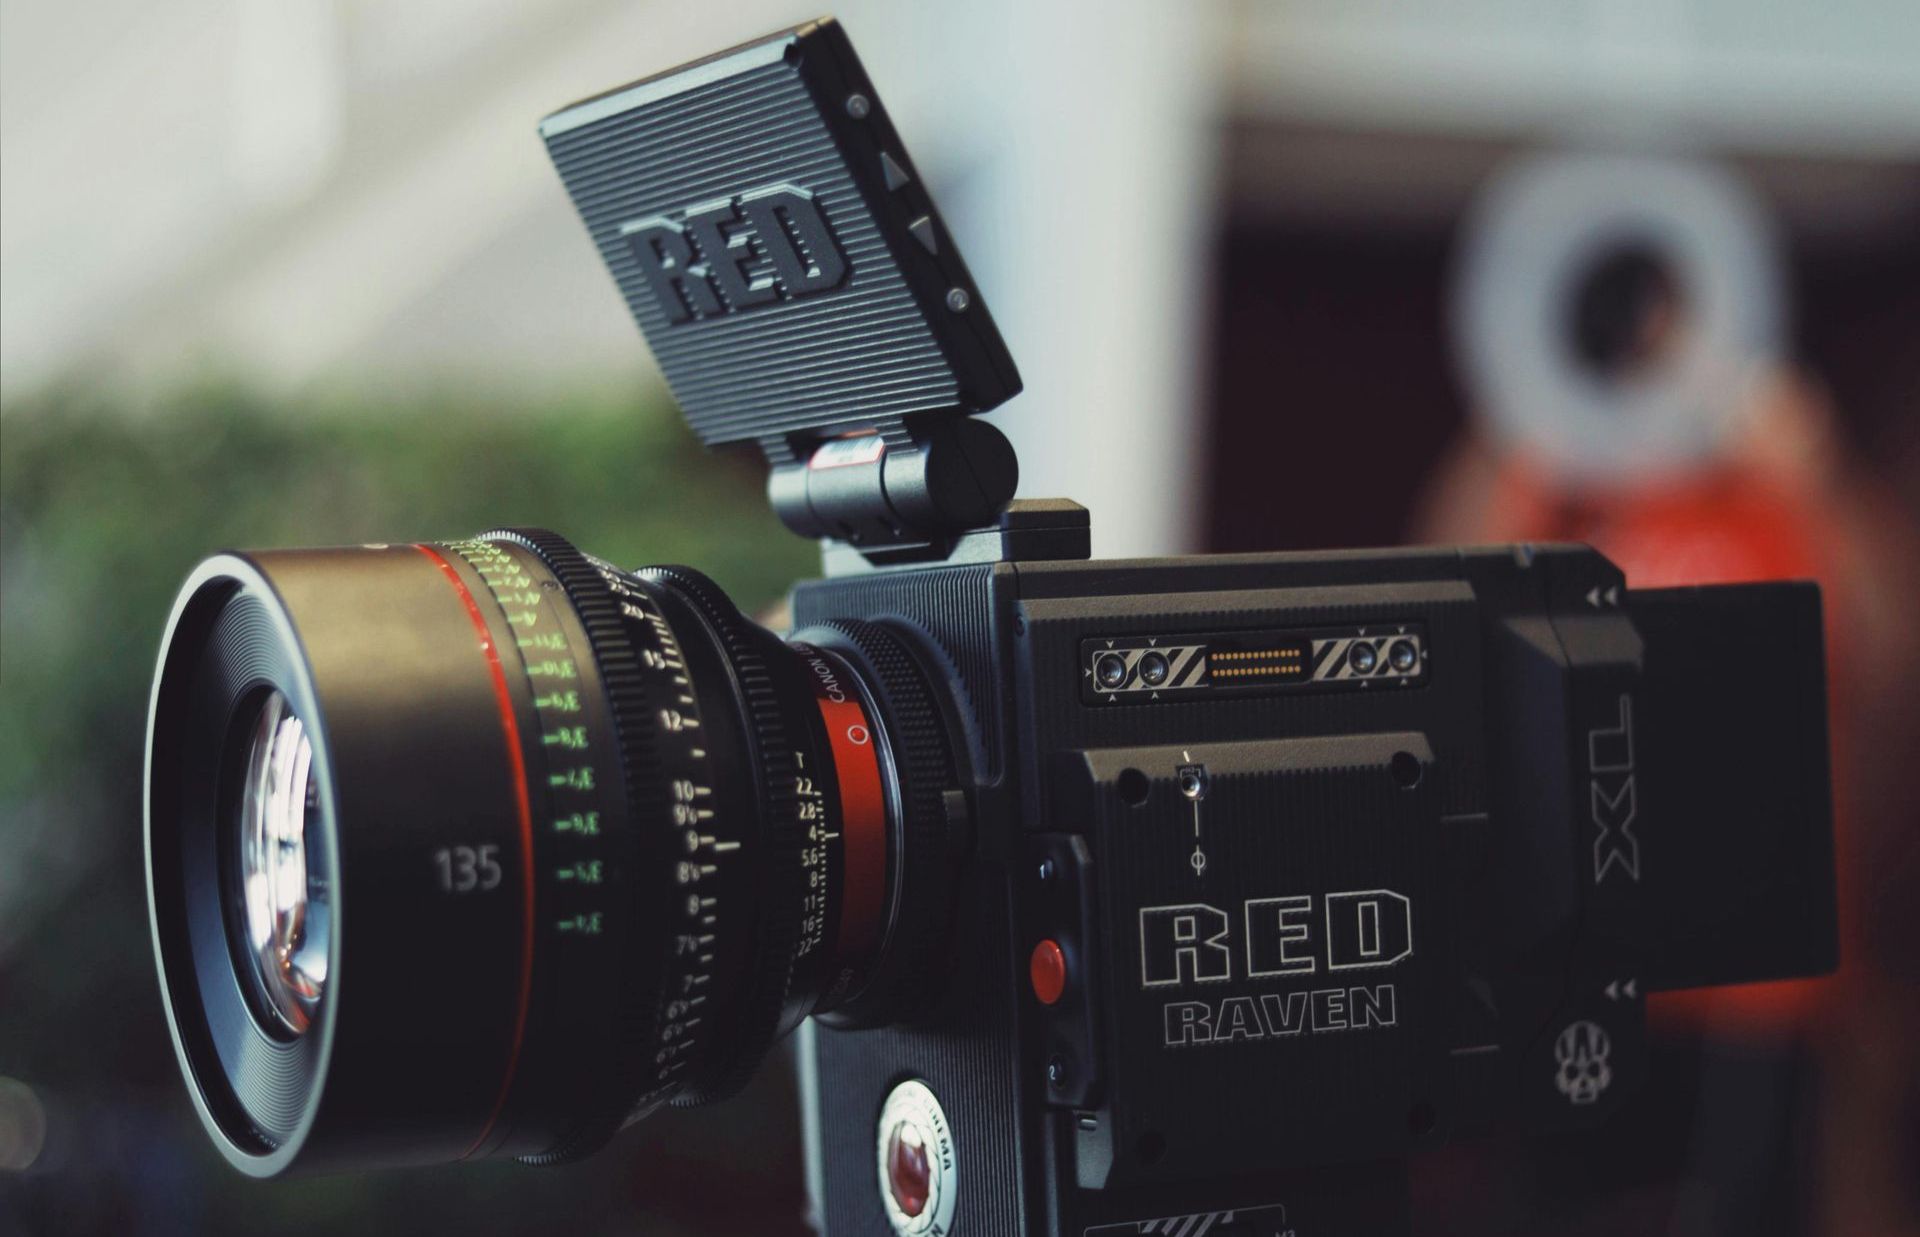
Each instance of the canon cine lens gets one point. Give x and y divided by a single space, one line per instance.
487 848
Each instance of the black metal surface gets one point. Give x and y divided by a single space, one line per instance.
1749 783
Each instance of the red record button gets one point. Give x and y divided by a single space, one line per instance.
1048 971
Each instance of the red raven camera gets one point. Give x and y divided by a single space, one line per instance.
1163 895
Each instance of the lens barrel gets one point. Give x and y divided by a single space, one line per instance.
571 843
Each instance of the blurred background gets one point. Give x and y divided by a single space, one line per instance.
1639 272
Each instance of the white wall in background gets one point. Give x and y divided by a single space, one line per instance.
1832 77
1080 155
317 191
343 191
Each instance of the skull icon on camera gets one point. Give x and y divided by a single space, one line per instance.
1581 1052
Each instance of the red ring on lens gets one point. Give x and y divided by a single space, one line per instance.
863 817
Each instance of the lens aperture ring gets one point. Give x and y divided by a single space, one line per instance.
925 846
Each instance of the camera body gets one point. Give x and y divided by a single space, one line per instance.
1308 918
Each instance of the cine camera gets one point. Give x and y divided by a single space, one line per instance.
1159 895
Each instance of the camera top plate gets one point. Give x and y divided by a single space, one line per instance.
777 246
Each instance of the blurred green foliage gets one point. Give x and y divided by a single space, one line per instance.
103 510
103 514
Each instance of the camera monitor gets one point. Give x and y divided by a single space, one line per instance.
777 246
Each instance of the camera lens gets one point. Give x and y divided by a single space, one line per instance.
1363 657
488 848
1153 669
279 907
1402 656
1110 670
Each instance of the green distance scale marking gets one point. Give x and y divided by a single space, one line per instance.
576 867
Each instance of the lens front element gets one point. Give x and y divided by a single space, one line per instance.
279 905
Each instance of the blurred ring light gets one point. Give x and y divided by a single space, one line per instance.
1613 314
23 1126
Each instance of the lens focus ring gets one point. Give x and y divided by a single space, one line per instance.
756 1017
627 652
